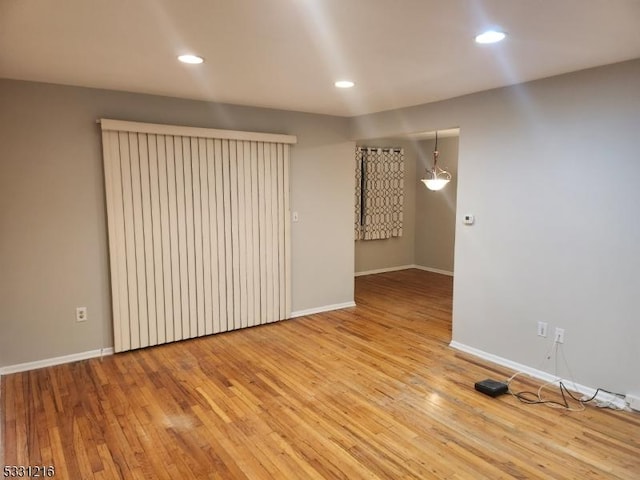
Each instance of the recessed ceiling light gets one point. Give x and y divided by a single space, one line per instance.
490 36
344 84
192 59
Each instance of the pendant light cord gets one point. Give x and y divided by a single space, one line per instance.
435 153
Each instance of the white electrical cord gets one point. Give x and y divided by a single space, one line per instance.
615 402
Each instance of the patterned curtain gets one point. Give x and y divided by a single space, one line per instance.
379 193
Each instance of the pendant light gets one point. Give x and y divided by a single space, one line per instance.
437 178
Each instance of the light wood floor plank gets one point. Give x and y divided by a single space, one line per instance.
370 392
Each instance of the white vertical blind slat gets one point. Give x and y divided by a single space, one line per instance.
242 234
247 216
275 222
213 241
220 325
228 252
287 234
174 241
147 235
165 239
282 220
262 229
183 284
158 284
130 247
206 318
198 268
115 218
254 238
191 327
235 241
268 233
138 226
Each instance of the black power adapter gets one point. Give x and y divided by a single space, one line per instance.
493 388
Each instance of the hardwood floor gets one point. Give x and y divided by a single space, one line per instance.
366 392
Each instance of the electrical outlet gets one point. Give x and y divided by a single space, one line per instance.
559 336
81 314
542 329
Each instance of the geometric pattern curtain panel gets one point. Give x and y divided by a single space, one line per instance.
379 195
199 233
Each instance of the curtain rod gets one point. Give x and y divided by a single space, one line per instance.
384 149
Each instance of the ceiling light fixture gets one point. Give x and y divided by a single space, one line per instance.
344 84
437 178
490 36
191 59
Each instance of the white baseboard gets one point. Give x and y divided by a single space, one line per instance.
403 267
539 374
433 270
49 362
325 308
383 270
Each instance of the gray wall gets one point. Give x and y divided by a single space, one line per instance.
396 251
53 238
436 211
550 169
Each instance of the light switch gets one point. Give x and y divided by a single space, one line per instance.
468 219
294 217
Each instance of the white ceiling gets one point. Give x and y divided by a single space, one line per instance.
287 53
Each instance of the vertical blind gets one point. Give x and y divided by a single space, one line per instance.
379 196
199 230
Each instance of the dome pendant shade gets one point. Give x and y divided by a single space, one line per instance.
435 184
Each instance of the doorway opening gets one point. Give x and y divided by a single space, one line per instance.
428 217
